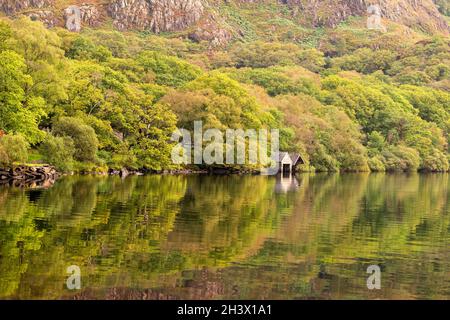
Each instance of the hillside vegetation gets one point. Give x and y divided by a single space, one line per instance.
345 97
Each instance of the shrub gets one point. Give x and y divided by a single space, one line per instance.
435 162
375 143
123 157
323 162
58 151
15 149
376 164
4 159
400 158
83 136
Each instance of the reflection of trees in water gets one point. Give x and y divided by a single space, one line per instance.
97 223
225 217
117 230
400 222
180 234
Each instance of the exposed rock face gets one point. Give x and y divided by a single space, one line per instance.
78 16
35 9
205 24
175 15
330 13
11 7
90 15
155 15
209 29
72 15
47 17
130 14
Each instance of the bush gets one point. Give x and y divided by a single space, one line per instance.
4 159
83 136
400 158
323 162
123 157
435 162
58 151
375 143
15 149
376 164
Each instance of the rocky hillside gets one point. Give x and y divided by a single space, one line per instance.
205 20
422 13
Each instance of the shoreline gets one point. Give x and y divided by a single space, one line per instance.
44 176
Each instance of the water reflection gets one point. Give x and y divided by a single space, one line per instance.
214 237
286 183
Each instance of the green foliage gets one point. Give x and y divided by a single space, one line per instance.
4 158
346 98
444 6
84 49
436 162
274 80
59 151
250 112
14 148
376 164
387 110
44 59
151 138
84 138
329 137
170 71
401 158
311 59
18 113
365 60
5 34
375 143
260 54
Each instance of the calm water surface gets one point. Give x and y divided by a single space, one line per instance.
210 237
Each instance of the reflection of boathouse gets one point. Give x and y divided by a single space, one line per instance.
288 162
286 183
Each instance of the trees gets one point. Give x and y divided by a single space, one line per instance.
275 80
259 54
150 140
251 115
85 140
169 71
84 49
214 110
345 102
331 140
59 151
366 60
386 113
43 55
5 34
401 158
13 148
19 113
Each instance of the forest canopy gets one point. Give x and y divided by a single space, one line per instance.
102 100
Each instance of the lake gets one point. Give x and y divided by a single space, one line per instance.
228 237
